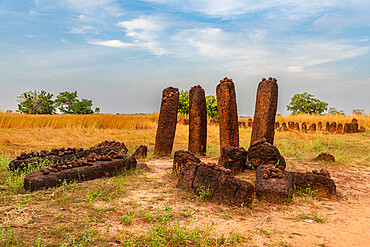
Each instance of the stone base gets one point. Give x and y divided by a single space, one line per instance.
323 185
233 158
180 159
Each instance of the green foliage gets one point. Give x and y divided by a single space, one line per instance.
334 111
35 102
211 103
68 103
306 103
184 102
203 192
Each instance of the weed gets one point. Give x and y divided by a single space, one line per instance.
203 192
129 217
314 217
266 233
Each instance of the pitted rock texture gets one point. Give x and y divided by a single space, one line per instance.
272 172
319 126
304 127
263 153
64 154
197 121
332 127
167 122
233 158
265 111
242 124
183 121
339 128
180 159
273 189
228 113
43 179
322 184
347 128
141 152
277 125
325 157
362 129
327 126
250 122
355 128
216 184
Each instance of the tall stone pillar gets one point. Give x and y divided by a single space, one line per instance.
197 121
227 113
167 122
265 111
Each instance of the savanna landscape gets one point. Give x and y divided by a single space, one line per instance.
144 208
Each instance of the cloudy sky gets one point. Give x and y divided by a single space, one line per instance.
121 54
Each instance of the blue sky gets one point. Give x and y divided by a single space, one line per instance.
121 54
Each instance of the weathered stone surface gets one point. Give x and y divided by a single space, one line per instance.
215 184
339 128
142 167
273 189
181 158
319 126
37 180
228 114
312 128
265 111
284 127
355 127
354 120
233 158
277 125
183 121
362 129
322 184
325 157
333 127
141 152
296 127
242 124
347 128
250 122
327 126
197 121
167 121
264 153
58 156
304 127
290 125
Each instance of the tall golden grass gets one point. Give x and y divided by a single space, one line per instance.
100 121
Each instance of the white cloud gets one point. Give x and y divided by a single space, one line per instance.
83 29
112 43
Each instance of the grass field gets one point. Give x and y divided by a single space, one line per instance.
145 209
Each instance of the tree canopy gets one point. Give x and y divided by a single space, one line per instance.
211 104
306 103
68 103
184 102
35 102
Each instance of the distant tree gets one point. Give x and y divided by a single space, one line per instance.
68 103
97 110
358 112
211 103
334 111
184 102
35 102
306 103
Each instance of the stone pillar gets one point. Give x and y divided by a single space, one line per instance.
327 126
319 126
304 127
340 128
197 121
227 113
167 121
265 111
347 128
333 127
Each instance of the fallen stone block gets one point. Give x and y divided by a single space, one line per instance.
180 159
325 157
233 158
273 189
215 183
324 185
53 177
141 152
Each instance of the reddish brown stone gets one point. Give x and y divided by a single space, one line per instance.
354 120
265 111
228 114
327 126
304 127
347 128
197 121
322 184
333 127
273 189
291 125
180 159
233 158
250 122
141 152
242 124
213 122
340 128
284 127
325 157
37 180
312 128
355 127
296 127
167 121
277 125
319 126
362 129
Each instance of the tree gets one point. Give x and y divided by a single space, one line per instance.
68 103
306 103
211 103
334 111
35 102
184 102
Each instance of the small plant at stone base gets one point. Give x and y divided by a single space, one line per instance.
39 241
266 233
203 192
